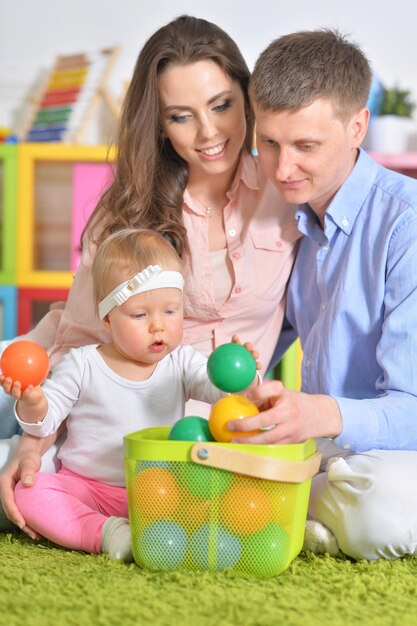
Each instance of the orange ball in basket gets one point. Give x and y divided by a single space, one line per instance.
26 362
228 409
246 508
155 493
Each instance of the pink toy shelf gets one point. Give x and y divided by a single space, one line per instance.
89 181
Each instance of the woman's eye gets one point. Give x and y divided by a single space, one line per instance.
222 107
179 119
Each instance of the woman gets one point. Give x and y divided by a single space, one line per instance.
184 168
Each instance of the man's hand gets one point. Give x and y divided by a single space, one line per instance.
288 416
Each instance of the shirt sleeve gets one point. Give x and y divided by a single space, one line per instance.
389 421
62 391
194 375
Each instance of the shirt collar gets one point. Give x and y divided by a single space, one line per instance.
247 173
348 201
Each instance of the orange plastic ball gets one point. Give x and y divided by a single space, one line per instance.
26 362
155 493
245 508
228 409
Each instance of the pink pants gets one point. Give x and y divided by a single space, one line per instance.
70 509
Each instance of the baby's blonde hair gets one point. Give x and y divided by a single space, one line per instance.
127 252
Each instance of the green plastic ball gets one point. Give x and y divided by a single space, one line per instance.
231 367
265 553
191 428
205 482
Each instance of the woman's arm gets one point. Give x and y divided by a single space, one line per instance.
24 466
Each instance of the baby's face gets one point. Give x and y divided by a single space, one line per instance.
148 326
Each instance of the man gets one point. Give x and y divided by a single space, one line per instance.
352 297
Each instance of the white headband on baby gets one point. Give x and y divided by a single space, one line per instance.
152 277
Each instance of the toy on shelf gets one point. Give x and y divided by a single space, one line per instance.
74 87
26 362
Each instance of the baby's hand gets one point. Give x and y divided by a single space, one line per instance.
14 388
254 353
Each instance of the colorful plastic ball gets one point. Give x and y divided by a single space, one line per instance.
228 409
161 546
26 362
246 508
231 367
265 553
192 511
205 482
155 493
213 548
283 498
191 428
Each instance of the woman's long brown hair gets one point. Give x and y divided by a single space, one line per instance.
150 177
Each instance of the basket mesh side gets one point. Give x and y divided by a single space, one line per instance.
185 515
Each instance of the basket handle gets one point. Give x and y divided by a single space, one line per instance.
255 465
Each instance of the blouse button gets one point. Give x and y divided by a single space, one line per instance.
278 244
238 290
232 232
236 255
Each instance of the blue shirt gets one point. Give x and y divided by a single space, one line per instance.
352 300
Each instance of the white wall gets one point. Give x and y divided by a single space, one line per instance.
33 32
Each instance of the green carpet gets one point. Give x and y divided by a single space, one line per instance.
41 585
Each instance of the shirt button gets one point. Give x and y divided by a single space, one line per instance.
238 289
278 244
232 232
326 249
308 363
324 306
345 221
236 255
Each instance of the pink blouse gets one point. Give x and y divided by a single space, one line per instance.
261 235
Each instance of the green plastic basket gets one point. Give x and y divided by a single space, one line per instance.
217 506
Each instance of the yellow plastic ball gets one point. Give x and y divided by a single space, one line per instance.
228 409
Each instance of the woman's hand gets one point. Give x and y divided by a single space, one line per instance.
255 354
24 466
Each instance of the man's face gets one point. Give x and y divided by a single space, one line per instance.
309 153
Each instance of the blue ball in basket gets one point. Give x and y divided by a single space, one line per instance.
213 548
162 546
231 367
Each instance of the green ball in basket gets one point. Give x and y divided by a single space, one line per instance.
231 367
191 428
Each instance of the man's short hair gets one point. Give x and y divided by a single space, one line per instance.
297 69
